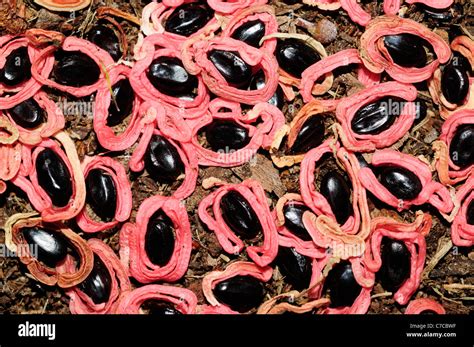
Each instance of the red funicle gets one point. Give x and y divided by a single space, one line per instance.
10 152
421 305
133 238
413 235
253 192
123 192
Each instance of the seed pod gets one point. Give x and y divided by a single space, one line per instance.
51 247
251 32
461 147
187 19
294 220
239 215
105 38
224 135
310 135
294 56
162 160
17 68
75 69
231 66
99 282
402 183
240 293
168 75
54 177
396 260
159 238
28 114
124 96
406 50
101 193
295 267
342 285
335 189
377 116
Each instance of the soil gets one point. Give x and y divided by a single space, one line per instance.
19 293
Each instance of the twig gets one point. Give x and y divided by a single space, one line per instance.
458 286
440 254
381 295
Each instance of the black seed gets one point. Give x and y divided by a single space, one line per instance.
402 183
162 160
342 285
50 246
231 66
17 68
378 116
99 282
294 56
101 193
28 114
461 149
168 75
250 32
160 238
294 220
406 50
105 38
395 264
240 293
187 19
470 213
239 215
455 82
124 96
296 268
54 177
160 308
75 69
421 111
337 192
258 82
224 135
310 135
440 15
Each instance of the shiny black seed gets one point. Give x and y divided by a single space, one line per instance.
406 50
439 15
17 68
310 135
101 193
28 114
231 66
159 238
99 282
51 247
294 56
294 220
162 160
239 215
342 285
361 160
105 38
54 177
160 308
124 96
225 135
295 267
378 116
168 75
395 264
258 82
470 213
455 82
240 293
250 32
187 19
461 149
402 183
337 192
75 69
